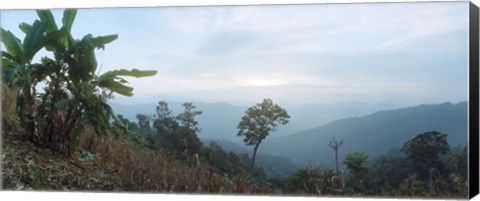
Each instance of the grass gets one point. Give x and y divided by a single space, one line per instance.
104 163
117 164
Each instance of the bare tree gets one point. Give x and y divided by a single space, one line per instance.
335 144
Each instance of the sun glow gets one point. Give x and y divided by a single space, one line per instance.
263 82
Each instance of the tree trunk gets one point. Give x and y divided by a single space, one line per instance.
253 158
336 161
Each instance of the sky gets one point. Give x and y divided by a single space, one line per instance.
403 53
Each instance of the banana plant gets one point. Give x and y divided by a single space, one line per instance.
18 70
73 94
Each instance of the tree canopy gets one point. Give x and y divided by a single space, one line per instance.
424 151
356 162
259 121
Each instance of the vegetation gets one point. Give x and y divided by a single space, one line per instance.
424 151
259 121
73 94
356 163
387 129
51 137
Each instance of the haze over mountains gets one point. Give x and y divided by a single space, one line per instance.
373 134
370 128
219 120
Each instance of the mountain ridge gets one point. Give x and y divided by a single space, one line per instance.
387 129
219 120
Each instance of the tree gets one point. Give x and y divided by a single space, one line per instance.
167 127
217 157
144 123
424 151
190 142
74 94
258 121
356 162
178 133
187 118
335 144
131 126
164 121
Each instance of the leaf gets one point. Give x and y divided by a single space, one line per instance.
7 55
25 27
133 73
52 38
34 39
116 87
61 104
10 72
110 80
99 42
13 46
41 71
46 16
67 23
68 18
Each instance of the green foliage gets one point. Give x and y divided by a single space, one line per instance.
228 163
131 126
178 134
259 121
111 80
356 163
187 118
144 123
456 161
309 181
424 151
388 170
73 93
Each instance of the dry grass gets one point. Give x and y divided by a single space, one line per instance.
118 165
148 171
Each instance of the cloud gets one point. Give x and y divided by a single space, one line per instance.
373 52
229 42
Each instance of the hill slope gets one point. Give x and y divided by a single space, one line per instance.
220 120
280 165
373 134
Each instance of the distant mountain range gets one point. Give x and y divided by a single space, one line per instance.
370 128
219 120
373 134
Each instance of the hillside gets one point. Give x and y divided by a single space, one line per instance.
279 165
220 120
373 134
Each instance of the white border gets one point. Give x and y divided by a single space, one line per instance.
47 4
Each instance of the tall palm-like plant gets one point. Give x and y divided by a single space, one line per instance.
19 72
74 94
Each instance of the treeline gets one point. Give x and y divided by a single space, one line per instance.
177 135
425 166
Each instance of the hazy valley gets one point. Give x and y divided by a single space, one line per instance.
370 128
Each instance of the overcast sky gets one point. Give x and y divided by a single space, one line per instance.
404 53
